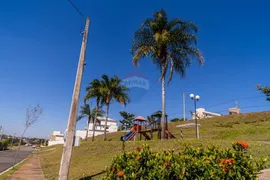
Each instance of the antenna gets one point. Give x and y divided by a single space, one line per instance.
236 104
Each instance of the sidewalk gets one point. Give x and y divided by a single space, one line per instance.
31 170
265 174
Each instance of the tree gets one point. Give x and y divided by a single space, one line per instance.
265 90
32 116
113 90
150 120
91 114
170 44
127 121
94 91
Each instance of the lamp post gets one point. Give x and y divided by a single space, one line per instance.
195 99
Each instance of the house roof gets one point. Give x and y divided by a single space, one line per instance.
211 113
139 118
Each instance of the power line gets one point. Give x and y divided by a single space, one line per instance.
77 9
228 102
246 107
255 106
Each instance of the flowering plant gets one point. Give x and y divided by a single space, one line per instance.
210 163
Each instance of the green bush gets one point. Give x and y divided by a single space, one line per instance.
210 163
4 144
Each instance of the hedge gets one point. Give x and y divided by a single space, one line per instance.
209 163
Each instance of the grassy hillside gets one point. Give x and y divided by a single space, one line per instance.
250 126
90 159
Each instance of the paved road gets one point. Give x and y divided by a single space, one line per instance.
7 157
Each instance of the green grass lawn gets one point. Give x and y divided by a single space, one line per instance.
90 159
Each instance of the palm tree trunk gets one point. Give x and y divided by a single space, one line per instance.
163 109
105 128
94 124
87 130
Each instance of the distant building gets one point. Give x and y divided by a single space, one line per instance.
56 138
202 113
234 111
99 129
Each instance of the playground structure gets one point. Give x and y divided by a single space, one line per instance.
146 129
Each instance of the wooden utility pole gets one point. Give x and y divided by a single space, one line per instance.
70 132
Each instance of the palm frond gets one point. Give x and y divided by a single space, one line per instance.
164 68
174 23
171 68
169 43
147 23
80 117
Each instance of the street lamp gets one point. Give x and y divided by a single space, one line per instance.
195 99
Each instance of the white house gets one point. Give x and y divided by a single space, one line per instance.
99 129
56 138
202 113
234 111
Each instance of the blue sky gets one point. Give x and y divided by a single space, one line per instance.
40 43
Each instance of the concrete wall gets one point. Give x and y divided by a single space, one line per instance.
111 127
56 138
82 133
51 143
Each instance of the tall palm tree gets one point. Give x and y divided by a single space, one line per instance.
170 44
94 91
86 111
113 90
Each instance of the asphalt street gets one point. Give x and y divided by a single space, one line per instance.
7 157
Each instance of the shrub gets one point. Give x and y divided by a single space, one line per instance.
210 163
177 119
4 144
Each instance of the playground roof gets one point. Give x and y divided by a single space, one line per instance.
139 118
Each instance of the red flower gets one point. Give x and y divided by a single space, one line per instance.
244 145
228 161
120 173
138 158
167 164
231 161
138 148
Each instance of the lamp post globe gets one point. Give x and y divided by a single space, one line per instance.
195 99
